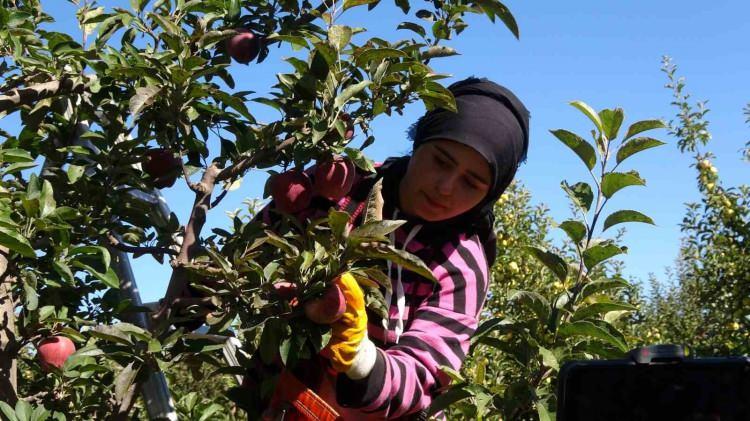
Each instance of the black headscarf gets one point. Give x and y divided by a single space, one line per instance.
492 121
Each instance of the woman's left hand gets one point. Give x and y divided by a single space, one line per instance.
350 350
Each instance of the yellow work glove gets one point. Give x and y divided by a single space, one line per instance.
349 349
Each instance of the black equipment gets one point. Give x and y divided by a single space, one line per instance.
655 383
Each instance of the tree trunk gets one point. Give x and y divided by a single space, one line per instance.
8 368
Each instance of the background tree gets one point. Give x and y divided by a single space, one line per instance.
707 306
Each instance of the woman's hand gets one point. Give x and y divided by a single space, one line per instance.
350 350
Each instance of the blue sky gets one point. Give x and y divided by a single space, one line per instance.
605 53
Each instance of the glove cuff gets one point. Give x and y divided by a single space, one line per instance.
364 360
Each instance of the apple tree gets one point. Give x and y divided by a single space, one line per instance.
143 97
707 306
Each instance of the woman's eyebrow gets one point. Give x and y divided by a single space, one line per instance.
448 156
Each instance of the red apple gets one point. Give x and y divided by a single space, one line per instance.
54 351
244 46
163 167
285 290
349 132
291 191
334 178
327 308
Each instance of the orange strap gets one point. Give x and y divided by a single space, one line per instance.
305 404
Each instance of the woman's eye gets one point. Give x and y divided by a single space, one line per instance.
440 161
470 184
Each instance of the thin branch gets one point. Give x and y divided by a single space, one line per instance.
237 169
218 199
114 242
35 93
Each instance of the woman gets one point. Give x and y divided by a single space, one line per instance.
460 165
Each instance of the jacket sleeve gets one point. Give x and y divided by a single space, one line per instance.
406 376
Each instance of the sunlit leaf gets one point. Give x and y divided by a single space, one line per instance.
626 216
644 125
614 181
583 149
636 145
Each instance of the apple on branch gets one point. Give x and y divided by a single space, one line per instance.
291 191
54 351
162 166
334 177
244 46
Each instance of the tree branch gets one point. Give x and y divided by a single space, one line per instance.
116 243
178 282
8 334
35 93
237 169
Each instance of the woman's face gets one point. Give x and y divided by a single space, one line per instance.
444 179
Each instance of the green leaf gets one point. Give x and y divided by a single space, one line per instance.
338 221
418 29
548 358
611 121
75 172
377 54
438 51
542 411
601 252
494 8
360 159
64 271
124 380
339 36
144 96
31 299
374 207
350 92
555 263
138 5
8 411
576 230
168 26
580 194
614 181
590 113
533 301
377 230
47 200
595 287
18 166
590 330
595 309
91 250
16 242
23 410
15 155
626 216
644 125
444 400
220 260
108 278
583 149
40 413
111 334
212 37
636 145
400 257
348 4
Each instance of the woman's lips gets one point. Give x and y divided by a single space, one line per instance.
434 203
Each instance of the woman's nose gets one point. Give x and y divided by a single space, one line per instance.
446 184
